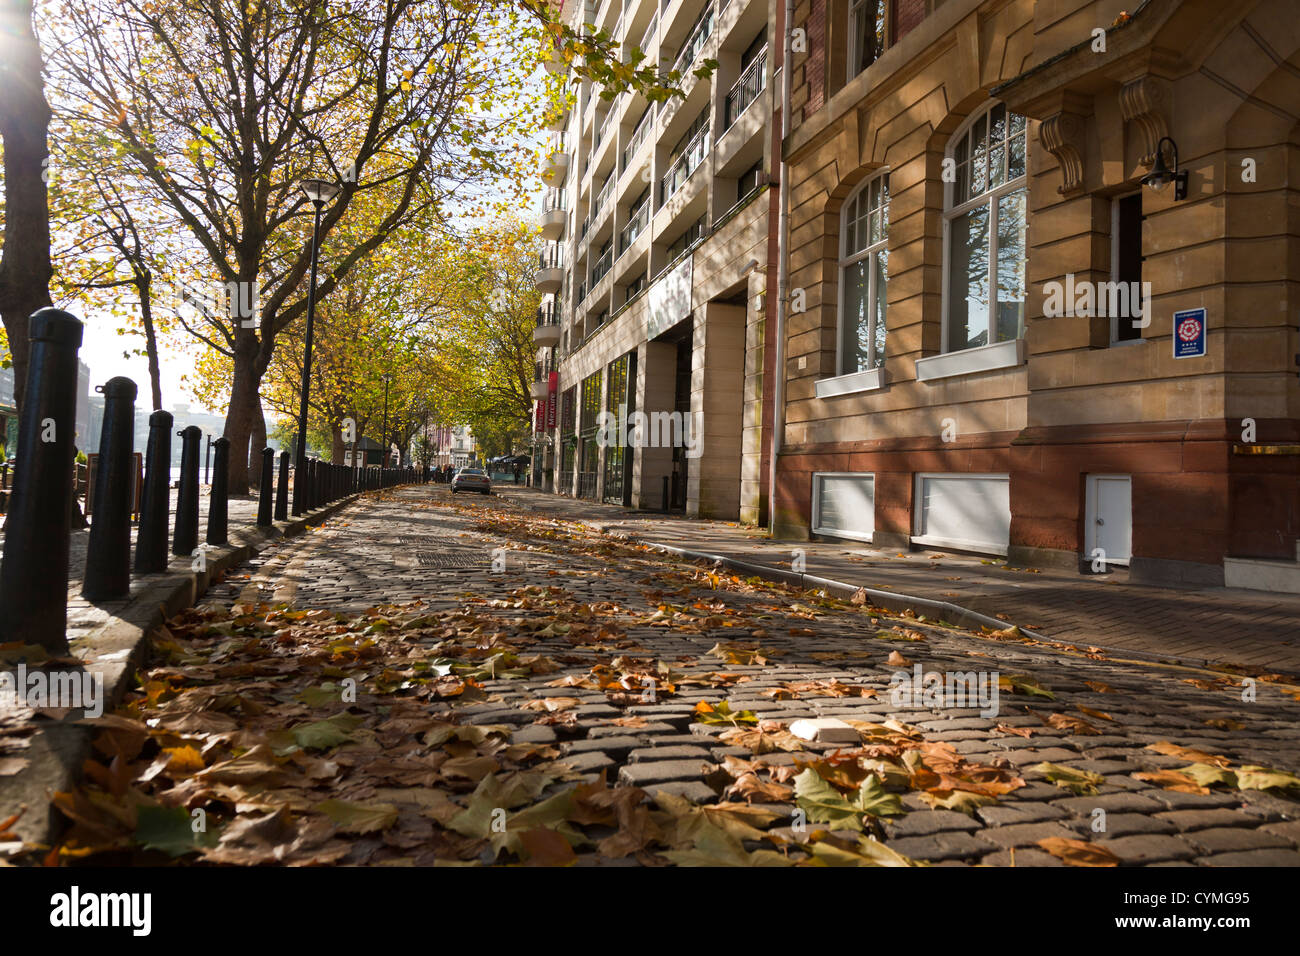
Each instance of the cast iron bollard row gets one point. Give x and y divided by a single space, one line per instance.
34 573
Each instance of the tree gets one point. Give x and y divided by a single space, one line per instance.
223 107
25 267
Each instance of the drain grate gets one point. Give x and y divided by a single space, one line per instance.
451 559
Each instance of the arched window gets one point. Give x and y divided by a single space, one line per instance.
864 257
984 230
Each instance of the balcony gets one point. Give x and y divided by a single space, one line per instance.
637 221
556 62
547 333
556 164
695 42
746 89
557 117
602 199
691 156
639 136
554 214
600 267
550 269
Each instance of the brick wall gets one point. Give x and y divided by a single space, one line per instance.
907 14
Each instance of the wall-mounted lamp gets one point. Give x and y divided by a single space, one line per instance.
753 266
1161 175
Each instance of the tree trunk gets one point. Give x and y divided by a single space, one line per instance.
336 444
145 285
243 410
25 268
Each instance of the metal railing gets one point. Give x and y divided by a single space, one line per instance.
552 257
600 267
637 221
746 89
692 155
555 199
695 42
602 198
639 136
648 37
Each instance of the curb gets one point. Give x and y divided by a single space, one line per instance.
115 650
896 601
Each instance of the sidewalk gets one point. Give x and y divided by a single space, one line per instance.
1253 629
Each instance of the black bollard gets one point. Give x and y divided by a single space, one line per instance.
108 552
266 500
218 495
151 542
34 576
186 536
282 489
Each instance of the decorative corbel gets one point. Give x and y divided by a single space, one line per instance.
1144 102
1062 135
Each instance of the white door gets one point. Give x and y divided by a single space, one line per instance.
1109 518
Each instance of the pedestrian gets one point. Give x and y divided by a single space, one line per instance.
516 473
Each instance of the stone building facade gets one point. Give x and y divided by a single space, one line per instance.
1000 339
659 224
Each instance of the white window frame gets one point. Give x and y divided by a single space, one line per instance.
816 527
918 511
989 197
868 377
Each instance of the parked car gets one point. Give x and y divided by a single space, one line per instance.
471 479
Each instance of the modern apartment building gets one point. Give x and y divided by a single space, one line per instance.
1011 343
660 239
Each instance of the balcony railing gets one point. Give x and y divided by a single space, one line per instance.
648 37
746 89
602 198
582 292
552 257
639 136
555 199
600 267
685 164
695 42
637 221
546 314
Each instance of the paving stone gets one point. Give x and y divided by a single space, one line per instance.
1110 802
1005 814
1128 824
695 791
1267 857
616 747
1186 820
588 762
1177 800
947 845
668 753
1026 834
1290 830
661 771
1023 856
533 734
926 822
1148 848
1231 839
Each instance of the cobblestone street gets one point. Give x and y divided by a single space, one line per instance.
1151 765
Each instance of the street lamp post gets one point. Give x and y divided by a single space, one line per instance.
318 193
384 433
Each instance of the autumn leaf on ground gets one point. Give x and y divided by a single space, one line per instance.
760 741
1172 780
359 817
171 830
823 803
1018 731
829 850
1188 753
542 847
1099 715
963 801
550 704
896 659
1264 778
716 847
1079 852
1078 782
1023 684
722 713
